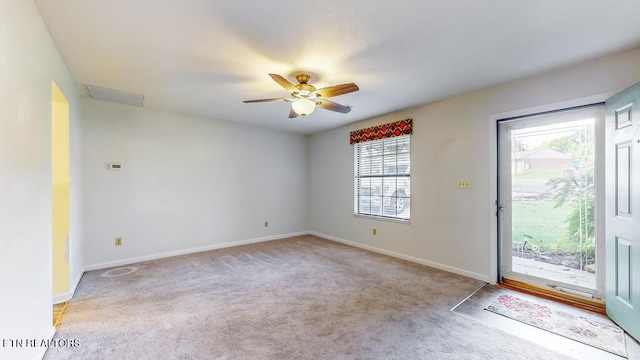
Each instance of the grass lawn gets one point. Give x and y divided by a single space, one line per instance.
540 220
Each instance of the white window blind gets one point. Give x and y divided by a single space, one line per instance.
383 178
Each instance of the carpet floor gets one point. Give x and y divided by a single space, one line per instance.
297 298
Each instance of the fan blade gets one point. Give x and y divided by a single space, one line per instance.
292 114
265 100
284 83
336 90
330 105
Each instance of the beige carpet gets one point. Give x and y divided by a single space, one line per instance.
298 298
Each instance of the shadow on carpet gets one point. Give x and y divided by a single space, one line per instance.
587 331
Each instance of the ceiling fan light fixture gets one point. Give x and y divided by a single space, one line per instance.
303 106
304 96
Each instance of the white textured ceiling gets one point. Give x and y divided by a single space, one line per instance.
204 57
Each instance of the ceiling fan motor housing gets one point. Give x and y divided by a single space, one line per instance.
303 78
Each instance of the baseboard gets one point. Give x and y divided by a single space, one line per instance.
58 299
451 269
105 265
76 282
134 260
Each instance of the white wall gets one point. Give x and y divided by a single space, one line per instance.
29 62
453 139
187 184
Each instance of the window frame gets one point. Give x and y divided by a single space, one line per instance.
393 188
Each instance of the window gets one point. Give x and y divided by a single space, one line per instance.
383 178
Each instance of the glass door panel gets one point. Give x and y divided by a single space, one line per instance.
548 196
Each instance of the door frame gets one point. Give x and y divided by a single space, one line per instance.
494 254
563 115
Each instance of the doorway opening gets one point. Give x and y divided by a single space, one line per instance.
549 188
59 196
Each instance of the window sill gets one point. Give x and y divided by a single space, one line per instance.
383 218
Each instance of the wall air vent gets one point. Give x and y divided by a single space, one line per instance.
116 96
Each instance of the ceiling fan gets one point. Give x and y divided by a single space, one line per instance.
305 97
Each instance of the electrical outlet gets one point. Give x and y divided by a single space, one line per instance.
118 241
375 231
266 224
463 184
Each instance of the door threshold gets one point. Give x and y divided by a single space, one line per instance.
596 306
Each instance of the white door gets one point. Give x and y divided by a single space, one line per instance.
622 143
549 165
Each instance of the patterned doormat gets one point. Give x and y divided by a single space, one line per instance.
593 333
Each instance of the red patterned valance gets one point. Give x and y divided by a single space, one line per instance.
402 127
